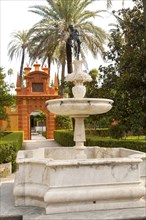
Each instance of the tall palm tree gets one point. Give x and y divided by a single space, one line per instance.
52 32
18 47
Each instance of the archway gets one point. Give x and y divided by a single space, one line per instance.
37 124
33 97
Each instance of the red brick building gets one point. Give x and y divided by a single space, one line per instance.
32 98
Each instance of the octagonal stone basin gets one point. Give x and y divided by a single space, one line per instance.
110 178
75 106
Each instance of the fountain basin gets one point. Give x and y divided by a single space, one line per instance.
77 106
54 179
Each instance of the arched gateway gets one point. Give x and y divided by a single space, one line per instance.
33 96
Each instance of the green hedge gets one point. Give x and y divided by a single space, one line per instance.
65 138
114 143
4 133
9 146
102 132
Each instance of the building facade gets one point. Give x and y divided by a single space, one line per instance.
31 98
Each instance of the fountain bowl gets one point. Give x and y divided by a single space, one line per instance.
79 106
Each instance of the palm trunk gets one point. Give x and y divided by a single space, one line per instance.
21 68
49 64
70 70
62 79
69 57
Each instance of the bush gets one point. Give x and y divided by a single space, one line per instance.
102 132
65 138
4 133
117 131
9 146
113 143
44 134
63 122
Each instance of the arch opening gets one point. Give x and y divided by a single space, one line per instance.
37 124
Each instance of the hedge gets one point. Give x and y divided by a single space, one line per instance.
9 146
102 132
65 138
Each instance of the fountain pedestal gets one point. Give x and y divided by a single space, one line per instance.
79 136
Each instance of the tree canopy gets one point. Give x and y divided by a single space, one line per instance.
124 80
5 98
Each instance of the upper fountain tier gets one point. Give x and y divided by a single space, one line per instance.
79 105
76 106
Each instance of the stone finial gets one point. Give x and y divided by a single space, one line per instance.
27 70
37 66
45 69
55 82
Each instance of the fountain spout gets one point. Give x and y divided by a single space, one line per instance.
78 77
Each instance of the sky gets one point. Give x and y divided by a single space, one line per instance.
14 16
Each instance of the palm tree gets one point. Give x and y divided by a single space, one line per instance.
18 48
49 36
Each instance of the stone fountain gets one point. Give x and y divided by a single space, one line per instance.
79 107
80 178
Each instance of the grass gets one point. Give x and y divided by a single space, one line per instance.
137 138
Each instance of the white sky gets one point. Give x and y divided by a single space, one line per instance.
14 15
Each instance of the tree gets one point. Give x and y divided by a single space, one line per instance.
5 98
49 37
124 79
92 87
144 6
18 47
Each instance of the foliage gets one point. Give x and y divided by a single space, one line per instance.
9 146
18 47
92 87
44 134
40 118
114 143
5 98
102 132
4 133
63 122
92 91
65 138
49 37
124 80
117 131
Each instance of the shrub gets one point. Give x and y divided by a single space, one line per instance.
102 132
117 131
9 146
44 134
4 133
65 138
63 122
113 143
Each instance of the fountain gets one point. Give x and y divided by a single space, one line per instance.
80 178
72 179
79 107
